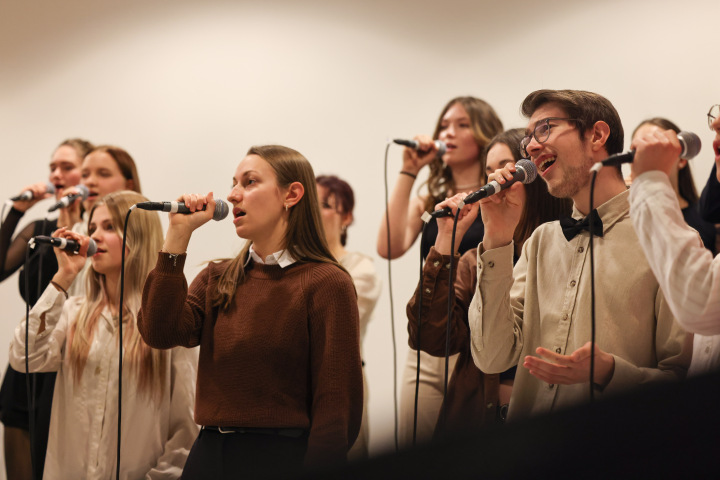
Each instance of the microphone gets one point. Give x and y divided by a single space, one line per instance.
68 199
27 195
690 143
525 172
441 147
67 244
221 208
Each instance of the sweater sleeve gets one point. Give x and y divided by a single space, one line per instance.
335 366
434 291
170 314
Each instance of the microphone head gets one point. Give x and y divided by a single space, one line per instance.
221 210
92 248
82 190
49 187
529 168
441 148
691 145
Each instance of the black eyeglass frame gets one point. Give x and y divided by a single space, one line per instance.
545 122
711 117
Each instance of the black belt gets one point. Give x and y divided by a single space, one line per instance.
283 432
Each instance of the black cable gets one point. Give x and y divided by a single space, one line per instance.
120 340
592 290
419 325
30 391
392 303
451 301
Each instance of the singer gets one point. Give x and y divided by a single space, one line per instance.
474 399
279 378
537 316
77 337
465 125
336 207
64 172
684 267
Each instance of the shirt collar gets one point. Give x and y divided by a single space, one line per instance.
611 211
281 258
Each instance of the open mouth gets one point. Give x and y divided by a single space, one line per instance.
546 163
238 212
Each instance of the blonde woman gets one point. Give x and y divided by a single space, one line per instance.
78 338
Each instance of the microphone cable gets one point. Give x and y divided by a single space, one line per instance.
392 303
120 340
30 389
592 291
417 340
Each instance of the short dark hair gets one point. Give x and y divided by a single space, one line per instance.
585 107
344 196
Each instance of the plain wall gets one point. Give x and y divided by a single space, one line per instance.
187 86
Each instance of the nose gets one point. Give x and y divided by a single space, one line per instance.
55 172
235 195
716 125
533 148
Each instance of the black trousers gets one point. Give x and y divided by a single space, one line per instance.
216 456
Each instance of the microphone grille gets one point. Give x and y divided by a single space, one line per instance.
49 187
691 144
441 148
83 191
221 210
92 248
529 168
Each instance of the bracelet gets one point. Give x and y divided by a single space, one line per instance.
56 285
403 172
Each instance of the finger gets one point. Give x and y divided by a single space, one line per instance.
549 372
553 356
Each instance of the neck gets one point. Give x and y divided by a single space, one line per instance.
112 293
467 174
337 250
607 185
273 242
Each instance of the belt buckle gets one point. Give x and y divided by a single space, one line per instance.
226 431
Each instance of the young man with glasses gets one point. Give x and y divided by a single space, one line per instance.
688 274
539 315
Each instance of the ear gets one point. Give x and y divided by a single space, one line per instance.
347 219
599 135
294 193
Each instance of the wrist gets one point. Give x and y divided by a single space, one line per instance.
62 280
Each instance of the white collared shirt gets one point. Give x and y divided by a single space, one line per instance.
281 257
156 438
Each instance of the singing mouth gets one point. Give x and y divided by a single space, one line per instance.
238 212
546 163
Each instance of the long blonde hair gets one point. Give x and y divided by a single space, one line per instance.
144 240
304 237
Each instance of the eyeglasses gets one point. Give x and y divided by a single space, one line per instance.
712 114
541 133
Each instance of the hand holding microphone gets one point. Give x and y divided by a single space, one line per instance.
195 210
419 152
72 252
78 191
32 194
662 150
662 143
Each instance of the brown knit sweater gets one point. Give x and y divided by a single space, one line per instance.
285 354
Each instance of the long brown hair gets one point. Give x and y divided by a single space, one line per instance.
304 237
686 185
144 240
540 206
82 147
485 124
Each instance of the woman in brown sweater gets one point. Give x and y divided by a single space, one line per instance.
279 378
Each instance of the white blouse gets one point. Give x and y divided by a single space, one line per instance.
156 437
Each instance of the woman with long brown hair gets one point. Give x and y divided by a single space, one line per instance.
78 338
279 378
465 126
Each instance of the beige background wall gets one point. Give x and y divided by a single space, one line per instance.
187 86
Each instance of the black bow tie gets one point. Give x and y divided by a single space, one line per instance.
572 227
